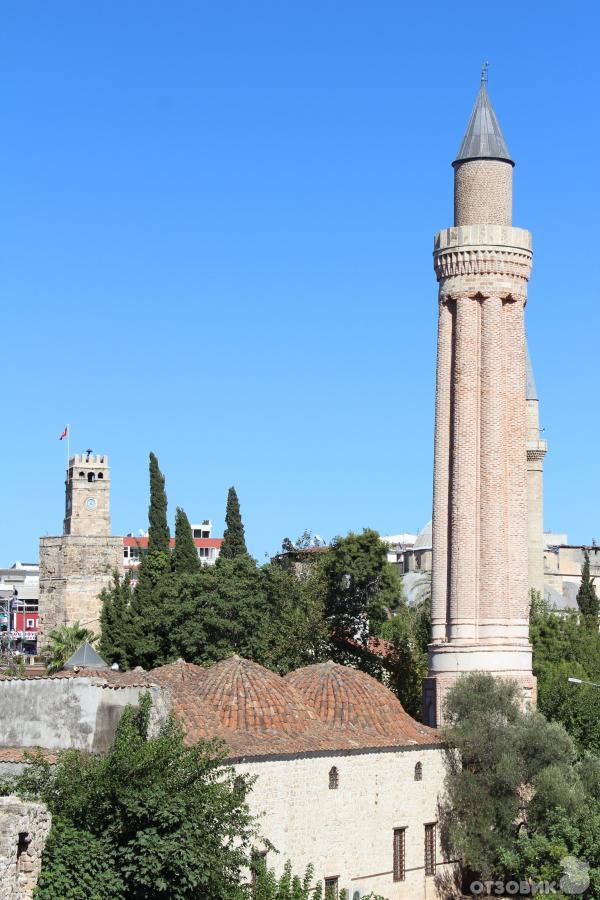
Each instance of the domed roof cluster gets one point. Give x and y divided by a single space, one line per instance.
258 713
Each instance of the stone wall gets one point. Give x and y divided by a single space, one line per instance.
24 827
70 713
74 569
348 832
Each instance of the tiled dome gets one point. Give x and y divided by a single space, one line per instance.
245 696
347 698
198 719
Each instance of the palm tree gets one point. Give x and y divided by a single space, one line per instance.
63 642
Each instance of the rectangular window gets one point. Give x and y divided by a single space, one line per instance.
30 624
125 552
332 888
399 854
430 834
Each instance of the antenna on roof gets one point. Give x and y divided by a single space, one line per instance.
485 68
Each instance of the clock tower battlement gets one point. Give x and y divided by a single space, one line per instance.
87 496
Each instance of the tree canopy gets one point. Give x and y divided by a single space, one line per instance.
587 599
158 531
515 789
234 541
184 558
362 589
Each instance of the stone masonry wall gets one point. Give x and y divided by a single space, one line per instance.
74 569
24 827
348 832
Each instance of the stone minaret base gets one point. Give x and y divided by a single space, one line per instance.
448 662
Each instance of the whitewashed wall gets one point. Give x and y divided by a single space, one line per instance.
348 832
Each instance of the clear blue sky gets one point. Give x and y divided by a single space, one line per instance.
216 224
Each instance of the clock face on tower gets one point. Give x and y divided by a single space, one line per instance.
91 503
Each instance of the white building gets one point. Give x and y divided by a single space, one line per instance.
136 546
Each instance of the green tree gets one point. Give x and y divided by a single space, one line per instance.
79 865
293 632
410 632
184 558
143 646
563 646
587 599
234 542
163 820
221 610
63 642
158 532
115 621
362 587
147 614
505 771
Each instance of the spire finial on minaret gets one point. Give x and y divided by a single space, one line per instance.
483 138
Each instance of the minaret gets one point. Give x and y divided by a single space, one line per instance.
536 451
479 581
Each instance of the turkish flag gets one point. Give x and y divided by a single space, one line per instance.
65 433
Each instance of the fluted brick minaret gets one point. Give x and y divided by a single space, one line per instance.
480 573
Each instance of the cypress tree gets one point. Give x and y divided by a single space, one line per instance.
185 555
234 543
143 638
115 621
587 599
158 532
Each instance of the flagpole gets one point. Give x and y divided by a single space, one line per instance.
68 445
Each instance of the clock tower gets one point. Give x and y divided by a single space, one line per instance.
87 509
77 565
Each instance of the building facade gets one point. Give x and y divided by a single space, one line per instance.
19 605
135 547
480 513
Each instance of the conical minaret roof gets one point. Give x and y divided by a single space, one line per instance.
483 138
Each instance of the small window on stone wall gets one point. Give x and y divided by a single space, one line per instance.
22 845
334 778
82 474
419 772
100 475
91 476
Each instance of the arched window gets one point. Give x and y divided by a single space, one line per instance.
334 778
419 772
91 476
82 474
100 474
